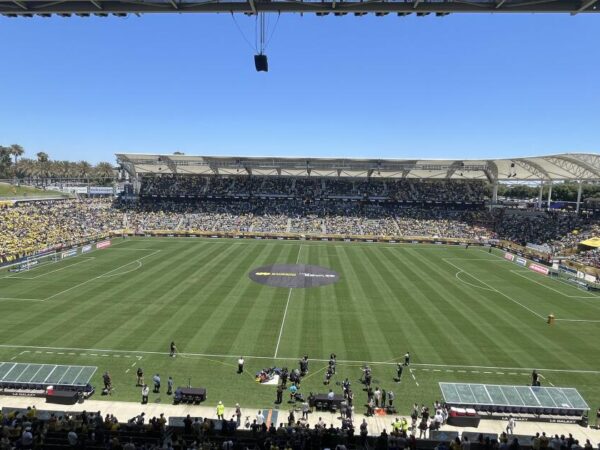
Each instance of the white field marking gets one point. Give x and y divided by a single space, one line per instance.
99 276
496 290
549 382
477 259
85 259
133 249
13 358
579 320
133 365
413 377
11 299
127 371
138 353
516 272
286 308
139 265
470 284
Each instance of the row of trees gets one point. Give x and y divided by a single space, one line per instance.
12 165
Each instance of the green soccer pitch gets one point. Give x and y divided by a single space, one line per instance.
465 316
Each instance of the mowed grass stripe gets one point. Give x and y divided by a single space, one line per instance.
250 308
60 309
365 300
398 300
90 310
435 344
465 318
165 299
303 328
269 325
351 340
202 265
482 326
521 345
215 304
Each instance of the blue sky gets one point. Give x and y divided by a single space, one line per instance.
461 86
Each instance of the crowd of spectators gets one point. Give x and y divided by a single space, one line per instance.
32 226
404 190
32 429
28 227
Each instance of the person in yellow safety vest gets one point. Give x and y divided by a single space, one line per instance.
405 425
220 411
397 425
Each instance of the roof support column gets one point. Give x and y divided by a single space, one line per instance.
549 196
539 205
494 195
578 196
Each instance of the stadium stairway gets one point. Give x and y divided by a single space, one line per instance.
376 424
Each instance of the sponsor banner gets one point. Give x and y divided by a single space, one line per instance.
539 269
68 253
101 190
509 256
103 244
521 261
86 248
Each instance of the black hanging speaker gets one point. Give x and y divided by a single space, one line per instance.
261 63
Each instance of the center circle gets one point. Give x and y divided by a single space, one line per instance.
294 275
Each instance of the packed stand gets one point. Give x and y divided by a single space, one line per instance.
402 190
30 227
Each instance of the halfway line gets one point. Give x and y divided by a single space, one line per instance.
286 308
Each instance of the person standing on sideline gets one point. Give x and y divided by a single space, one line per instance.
156 380
140 377
238 415
173 350
220 410
241 365
170 386
279 394
399 370
377 395
145 392
510 426
391 397
407 358
260 419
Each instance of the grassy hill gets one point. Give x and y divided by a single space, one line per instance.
9 191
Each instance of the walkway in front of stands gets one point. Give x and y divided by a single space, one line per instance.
126 410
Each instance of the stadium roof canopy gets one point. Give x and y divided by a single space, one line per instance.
562 167
29 8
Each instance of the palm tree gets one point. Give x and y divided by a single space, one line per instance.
25 168
104 170
84 168
42 166
42 157
17 151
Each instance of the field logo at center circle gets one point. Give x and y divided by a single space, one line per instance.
294 275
